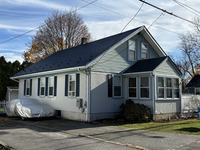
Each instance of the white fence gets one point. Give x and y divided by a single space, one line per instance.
190 104
2 106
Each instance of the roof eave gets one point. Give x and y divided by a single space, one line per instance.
51 72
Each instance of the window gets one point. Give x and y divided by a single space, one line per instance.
72 85
131 50
144 87
144 49
132 87
117 86
161 87
176 88
169 87
42 86
51 86
197 91
28 85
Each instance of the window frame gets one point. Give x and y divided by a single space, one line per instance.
28 87
49 78
168 88
147 50
132 87
113 88
132 50
196 90
42 79
69 81
175 88
164 88
144 87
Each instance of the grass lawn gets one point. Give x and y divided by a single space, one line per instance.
1 109
181 127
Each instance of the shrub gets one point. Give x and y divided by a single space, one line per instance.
135 112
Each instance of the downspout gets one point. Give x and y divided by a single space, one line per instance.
89 97
154 96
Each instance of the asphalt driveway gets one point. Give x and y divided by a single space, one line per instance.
60 134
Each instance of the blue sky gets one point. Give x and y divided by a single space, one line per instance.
103 18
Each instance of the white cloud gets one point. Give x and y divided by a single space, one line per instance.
12 57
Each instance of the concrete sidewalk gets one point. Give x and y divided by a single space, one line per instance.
48 133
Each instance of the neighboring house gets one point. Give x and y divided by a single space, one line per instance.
91 81
194 85
12 93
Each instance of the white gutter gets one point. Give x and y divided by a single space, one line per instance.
48 72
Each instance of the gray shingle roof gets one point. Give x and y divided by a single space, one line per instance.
194 82
76 56
145 65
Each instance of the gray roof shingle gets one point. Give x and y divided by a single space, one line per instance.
76 56
194 82
145 65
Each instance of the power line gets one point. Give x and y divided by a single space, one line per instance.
162 14
170 13
42 25
133 17
130 18
186 6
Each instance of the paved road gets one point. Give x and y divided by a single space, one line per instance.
60 134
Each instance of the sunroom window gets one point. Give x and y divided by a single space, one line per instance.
132 87
176 88
169 87
117 86
131 50
42 86
144 49
144 87
161 87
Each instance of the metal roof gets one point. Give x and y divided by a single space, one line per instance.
145 65
76 56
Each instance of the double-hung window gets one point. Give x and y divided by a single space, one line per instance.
144 49
117 86
132 87
51 86
42 86
144 87
131 50
169 87
176 88
28 85
72 85
161 87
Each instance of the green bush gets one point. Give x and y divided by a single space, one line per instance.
135 112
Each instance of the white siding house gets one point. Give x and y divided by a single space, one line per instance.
91 81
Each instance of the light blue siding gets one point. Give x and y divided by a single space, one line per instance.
116 59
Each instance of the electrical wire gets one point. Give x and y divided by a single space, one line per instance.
186 7
130 18
133 17
162 14
42 25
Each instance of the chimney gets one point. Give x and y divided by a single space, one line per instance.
83 40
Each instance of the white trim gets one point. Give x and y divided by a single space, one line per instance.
69 85
142 49
132 50
42 86
137 73
133 87
44 73
51 96
144 87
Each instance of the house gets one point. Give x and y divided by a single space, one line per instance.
12 93
91 81
194 85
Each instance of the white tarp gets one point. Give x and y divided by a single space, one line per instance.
28 108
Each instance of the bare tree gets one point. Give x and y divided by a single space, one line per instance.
61 30
189 45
